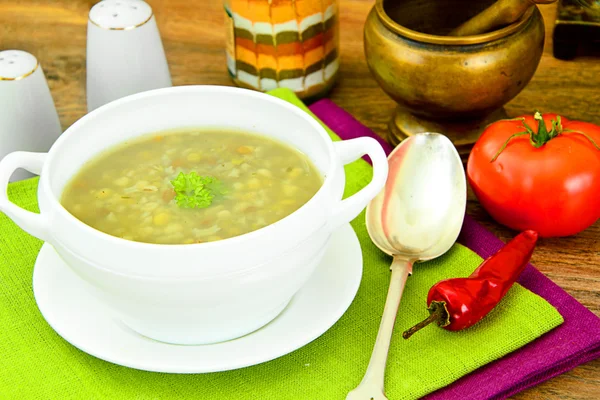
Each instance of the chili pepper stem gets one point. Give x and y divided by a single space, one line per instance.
437 313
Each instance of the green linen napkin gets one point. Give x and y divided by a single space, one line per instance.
37 363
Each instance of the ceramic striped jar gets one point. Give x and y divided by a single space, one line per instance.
283 43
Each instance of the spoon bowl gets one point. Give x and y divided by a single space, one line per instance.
417 216
419 212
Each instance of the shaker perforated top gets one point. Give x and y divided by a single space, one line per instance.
16 64
120 14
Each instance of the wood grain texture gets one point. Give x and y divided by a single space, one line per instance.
193 36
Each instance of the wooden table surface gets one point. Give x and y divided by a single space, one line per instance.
193 36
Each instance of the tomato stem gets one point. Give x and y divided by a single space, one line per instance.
542 136
506 143
588 137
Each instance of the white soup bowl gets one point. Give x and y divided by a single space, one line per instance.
195 293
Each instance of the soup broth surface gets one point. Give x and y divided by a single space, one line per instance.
190 186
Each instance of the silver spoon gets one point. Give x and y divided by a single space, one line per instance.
416 217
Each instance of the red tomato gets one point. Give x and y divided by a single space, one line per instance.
549 183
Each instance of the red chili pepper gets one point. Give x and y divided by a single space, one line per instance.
459 303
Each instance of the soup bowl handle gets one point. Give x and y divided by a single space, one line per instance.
349 151
32 223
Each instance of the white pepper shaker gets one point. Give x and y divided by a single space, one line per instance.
125 54
28 117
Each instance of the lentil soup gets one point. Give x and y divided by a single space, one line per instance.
191 186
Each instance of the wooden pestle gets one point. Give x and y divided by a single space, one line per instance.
502 12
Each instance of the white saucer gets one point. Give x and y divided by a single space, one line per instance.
87 324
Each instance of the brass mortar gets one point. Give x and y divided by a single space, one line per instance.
448 84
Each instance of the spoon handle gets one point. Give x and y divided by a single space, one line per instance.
372 385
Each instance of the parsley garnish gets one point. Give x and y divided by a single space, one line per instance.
195 191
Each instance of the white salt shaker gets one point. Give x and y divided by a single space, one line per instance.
125 54
28 117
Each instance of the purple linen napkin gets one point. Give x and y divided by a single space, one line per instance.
574 342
